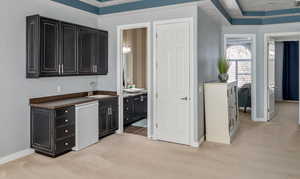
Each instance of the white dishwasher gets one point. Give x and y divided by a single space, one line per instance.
87 125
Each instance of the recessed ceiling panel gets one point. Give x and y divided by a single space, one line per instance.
266 5
105 3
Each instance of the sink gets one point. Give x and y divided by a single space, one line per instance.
100 96
133 90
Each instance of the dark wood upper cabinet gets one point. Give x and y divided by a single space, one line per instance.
56 48
49 47
68 49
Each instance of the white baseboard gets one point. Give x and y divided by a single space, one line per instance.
260 119
198 143
15 156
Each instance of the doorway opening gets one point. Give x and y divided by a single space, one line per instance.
282 77
240 50
135 81
134 84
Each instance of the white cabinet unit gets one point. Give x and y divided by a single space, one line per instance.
221 112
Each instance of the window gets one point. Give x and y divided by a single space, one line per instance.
240 63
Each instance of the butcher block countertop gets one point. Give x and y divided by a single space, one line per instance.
56 102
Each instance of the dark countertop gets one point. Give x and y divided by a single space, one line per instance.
64 103
126 94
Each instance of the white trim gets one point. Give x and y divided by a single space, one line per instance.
120 29
266 37
15 156
197 144
260 119
193 72
253 70
151 9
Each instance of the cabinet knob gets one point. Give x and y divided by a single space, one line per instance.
66 144
66 111
66 120
66 131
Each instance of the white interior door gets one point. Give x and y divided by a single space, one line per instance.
173 82
271 79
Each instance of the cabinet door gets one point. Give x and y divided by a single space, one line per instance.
114 123
87 45
144 99
41 129
103 120
101 60
33 47
139 107
68 50
49 47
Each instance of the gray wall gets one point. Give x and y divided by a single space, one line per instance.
111 22
15 89
209 43
260 31
278 70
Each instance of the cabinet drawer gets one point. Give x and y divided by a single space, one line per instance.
63 132
68 111
64 121
65 145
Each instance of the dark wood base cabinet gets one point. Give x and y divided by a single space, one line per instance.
135 108
52 131
108 116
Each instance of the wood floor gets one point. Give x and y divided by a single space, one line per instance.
259 151
142 131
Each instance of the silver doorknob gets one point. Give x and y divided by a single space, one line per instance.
185 98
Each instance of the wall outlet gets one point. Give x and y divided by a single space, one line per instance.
58 89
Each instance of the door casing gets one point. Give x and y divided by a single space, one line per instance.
266 38
120 64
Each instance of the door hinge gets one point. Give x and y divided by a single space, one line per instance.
156 36
156 95
156 125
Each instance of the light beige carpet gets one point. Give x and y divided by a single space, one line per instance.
260 151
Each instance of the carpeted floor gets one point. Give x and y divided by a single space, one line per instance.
259 151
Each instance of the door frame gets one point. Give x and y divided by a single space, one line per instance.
193 79
266 79
120 63
253 70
